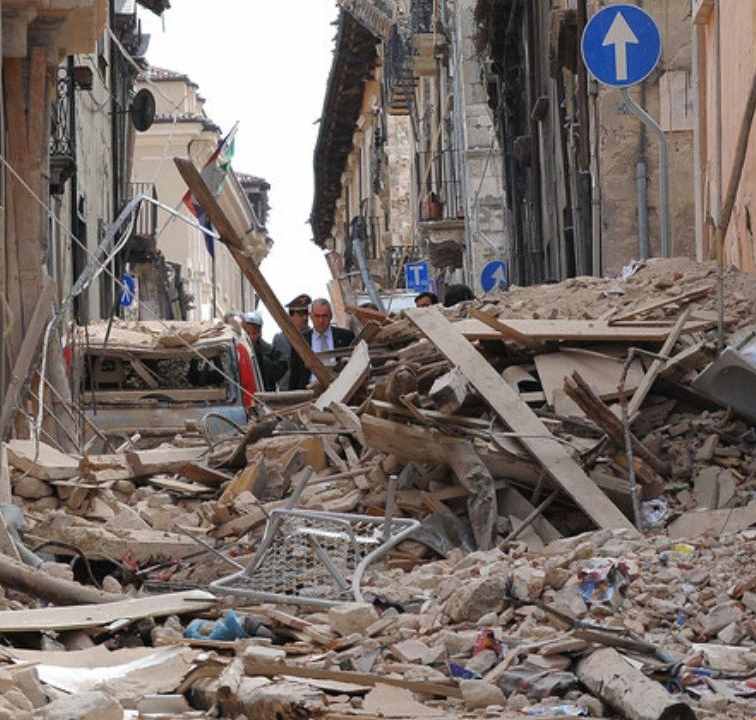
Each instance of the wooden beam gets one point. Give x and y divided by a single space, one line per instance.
28 351
657 304
349 380
507 404
5 483
656 366
533 331
253 667
231 239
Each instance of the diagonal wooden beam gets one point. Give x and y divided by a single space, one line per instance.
248 266
534 435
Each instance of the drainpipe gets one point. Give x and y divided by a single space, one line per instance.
698 137
641 188
716 204
358 233
595 182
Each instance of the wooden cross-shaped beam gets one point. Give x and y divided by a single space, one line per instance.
233 242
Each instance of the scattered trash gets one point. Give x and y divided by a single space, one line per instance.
230 627
556 711
654 512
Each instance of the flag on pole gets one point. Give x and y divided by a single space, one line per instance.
214 174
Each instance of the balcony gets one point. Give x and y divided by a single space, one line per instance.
62 146
398 73
441 207
143 243
421 16
439 190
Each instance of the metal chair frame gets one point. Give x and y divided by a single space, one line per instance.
386 534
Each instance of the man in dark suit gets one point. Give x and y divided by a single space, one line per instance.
323 337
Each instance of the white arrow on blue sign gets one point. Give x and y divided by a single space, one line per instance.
621 45
495 275
417 276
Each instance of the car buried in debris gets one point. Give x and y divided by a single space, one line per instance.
160 378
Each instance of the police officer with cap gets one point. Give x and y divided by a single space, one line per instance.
272 364
299 312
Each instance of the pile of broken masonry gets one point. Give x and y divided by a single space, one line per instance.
568 556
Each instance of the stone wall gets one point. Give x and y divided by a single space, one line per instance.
481 154
622 145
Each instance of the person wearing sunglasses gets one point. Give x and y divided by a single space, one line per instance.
299 312
323 338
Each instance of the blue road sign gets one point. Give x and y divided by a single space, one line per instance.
417 276
495 275
621 45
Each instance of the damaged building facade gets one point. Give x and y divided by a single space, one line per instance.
581 172
406 159
176 275
461 132
68 72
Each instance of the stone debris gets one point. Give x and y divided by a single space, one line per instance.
521 590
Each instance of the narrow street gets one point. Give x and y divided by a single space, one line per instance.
477 441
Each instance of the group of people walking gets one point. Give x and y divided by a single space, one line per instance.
282 368
280 365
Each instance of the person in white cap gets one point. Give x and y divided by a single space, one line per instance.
272 364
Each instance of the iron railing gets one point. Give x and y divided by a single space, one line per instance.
439 188
398 75
421 16
62 146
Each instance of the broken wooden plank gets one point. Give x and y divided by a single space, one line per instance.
41 461
15 575
79 617
602 372
664 302
179 487
145 373
124 397
204 475
231 238
582 393
6 496
28 352
657 366
530 331
253 666
534 435
473 475
349 380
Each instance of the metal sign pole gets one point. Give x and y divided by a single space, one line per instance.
666 224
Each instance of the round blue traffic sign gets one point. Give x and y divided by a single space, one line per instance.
621 45
494 275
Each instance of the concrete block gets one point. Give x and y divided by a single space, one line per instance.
94 705
479 694
352 618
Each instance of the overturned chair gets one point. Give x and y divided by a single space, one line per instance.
315 558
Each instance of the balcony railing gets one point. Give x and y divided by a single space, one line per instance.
398 73
62 147
146 222
421 16
439 189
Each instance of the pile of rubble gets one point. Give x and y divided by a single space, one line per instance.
419 539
